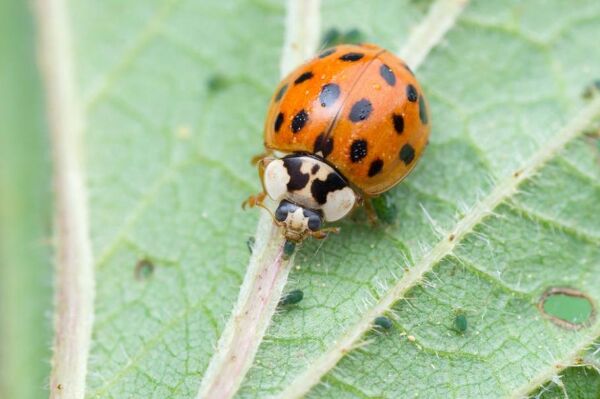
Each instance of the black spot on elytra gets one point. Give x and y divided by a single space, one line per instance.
327 52
281 92
352 56
298 180
320 188
329 94
407 154
361 110
387 74
299 121
315 168
411 93
423 110
358 150
283 209
325 146
398 123
375 167
304 77
278 122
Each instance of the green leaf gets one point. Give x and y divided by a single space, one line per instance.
25 213
503 206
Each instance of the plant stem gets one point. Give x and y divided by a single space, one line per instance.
259 295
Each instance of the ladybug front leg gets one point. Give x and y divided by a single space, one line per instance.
323 233
254 200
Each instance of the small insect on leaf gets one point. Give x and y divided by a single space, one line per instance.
460 323
288 249
143 269
382 322
291 298
385 209
250 243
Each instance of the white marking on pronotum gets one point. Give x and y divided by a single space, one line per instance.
441 17
74 298
413 276
268 270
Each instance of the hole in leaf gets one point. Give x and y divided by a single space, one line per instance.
143 270
567 307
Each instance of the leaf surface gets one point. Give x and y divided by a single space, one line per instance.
174 95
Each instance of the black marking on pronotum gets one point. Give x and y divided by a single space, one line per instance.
375 167
278 122
304 77
315 168
383 322
423 110
327 52
352 56
284 208
329 94
299 121
320 188
358 150
281 92
298 180
361 110
325 146
407 154
291 298
411 93
143 269
314 220
398 123
387 74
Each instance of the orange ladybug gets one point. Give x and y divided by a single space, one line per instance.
344 127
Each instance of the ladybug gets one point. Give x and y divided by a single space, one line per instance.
342 128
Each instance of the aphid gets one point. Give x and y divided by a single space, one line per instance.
383 322
250 244
143 269
460 323
288 249
340 130
291 298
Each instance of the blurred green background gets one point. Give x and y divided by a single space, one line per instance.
25 211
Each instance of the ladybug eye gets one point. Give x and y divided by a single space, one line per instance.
284 208
314 222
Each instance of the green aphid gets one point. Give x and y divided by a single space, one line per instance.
592 89
143 269
385 209
460 323
334 37
217 83
383 322
291 298
250 243
288 249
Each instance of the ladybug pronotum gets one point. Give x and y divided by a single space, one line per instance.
342 128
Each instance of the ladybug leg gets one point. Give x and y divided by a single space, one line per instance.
259 157
371 213
254 200
323 233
